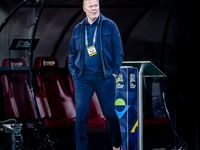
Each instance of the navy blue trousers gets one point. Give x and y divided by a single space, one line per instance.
85 86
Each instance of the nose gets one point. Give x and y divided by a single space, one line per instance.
93 8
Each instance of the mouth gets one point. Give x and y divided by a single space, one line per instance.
94 13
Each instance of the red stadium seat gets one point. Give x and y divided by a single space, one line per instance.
59 105
18 100
96 120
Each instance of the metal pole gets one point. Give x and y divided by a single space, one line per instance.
140 103
31 62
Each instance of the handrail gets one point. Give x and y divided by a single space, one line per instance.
14 68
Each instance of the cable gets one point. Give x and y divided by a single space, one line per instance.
180 139
8 120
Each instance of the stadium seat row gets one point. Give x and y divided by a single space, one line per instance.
56 105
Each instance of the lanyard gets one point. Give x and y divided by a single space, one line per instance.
95 33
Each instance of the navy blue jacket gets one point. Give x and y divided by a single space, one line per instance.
111 48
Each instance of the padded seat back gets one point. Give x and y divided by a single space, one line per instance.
46 64
13 62
18 100
58 103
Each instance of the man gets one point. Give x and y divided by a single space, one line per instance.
96 54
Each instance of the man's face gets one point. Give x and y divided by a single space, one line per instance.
91 8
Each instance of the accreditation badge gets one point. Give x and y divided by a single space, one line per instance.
91 51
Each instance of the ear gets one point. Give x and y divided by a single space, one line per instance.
84 9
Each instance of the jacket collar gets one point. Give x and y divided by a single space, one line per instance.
103 18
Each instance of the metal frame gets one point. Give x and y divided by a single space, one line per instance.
146 69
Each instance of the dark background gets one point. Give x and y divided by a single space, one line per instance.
153 30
